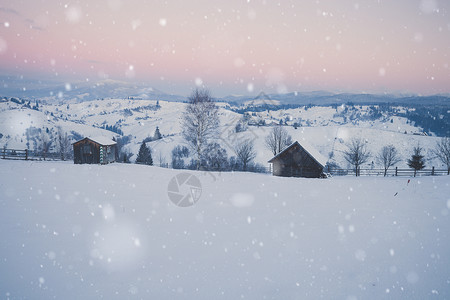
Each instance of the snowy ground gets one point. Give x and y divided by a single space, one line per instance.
88 232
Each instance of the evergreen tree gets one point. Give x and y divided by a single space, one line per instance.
145 155
157 134
417 161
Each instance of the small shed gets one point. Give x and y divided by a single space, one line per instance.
298 161
97 150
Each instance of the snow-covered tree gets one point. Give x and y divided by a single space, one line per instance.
157 134
200 122
356 154
214 158
45 143
63 144
161 159
416 161
145 155
179 153
388 157
122 154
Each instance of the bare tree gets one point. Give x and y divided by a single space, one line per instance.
357 154
245 152
122 154
442 151
278 139
388 157
162 159
64 147
45 144
200 122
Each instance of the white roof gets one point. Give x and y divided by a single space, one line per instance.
310 149
102 140
314 153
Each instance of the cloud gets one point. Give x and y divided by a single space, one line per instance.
9 11
32 25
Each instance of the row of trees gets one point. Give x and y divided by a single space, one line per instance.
49 142
215 158
358 154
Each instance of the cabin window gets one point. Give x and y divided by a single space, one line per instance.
108 149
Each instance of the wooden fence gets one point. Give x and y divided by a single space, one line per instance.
390 172
34 155
28 155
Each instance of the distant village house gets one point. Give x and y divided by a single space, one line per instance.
298 161
98 150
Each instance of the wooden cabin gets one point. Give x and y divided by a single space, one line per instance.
298 161
98 150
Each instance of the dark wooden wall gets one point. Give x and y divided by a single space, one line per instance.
86 152
296 162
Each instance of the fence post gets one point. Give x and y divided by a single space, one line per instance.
396 171
26 154
432 171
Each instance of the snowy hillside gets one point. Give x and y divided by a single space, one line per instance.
110 232
19 126
329 129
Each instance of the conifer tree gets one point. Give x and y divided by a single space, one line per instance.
144 156
416 161
157 134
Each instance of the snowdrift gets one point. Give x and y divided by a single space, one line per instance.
89 232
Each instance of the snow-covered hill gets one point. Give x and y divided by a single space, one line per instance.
20 126
110 232
329 129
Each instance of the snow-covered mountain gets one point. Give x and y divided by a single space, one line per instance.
78 91
327 98
83 91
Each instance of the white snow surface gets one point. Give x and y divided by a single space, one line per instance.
102 140
110 232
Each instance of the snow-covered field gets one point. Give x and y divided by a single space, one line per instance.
110 232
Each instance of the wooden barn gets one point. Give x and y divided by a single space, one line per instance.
98 150
298 161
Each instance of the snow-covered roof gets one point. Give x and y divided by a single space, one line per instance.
308 148
102 140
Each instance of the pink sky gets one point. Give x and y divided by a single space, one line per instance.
232 47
